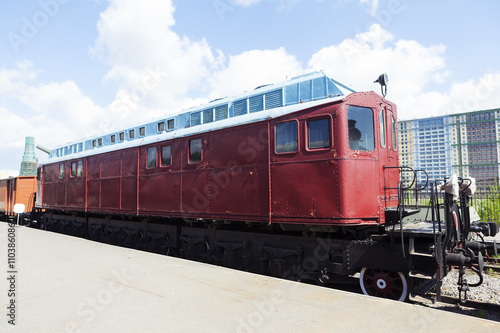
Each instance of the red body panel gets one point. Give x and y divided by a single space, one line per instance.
241 177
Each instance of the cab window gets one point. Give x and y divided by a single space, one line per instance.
394 137
360 128
382 128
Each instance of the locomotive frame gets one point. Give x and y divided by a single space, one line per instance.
286 190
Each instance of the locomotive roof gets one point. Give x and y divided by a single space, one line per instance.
263 102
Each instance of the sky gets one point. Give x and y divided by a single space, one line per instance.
71 69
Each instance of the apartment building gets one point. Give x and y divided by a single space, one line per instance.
467 144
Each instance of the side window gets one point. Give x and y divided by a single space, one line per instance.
79 169
166 153
151 163
99 142
113 138
287 137
142 131
73 169
382 128
360 126
121 136
131 134
94 143
170 124
318 132
61 171
394 137
195 151
161 127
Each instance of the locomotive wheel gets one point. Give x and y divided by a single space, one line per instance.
384 284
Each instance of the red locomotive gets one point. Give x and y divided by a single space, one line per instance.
299 179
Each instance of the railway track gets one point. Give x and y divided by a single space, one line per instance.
492 260
471 307
470 304
492 265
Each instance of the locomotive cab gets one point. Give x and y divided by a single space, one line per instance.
368 157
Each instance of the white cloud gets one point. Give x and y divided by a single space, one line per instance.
8 173
374 4
412 68
244 3
54 113
375 52
473 95
358 62
287 4
480 94
50 103
253 68
160 72
135 39
13 79
12 125
47 130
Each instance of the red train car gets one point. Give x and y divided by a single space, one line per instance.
296 168
297 179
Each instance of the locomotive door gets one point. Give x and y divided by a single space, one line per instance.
390 152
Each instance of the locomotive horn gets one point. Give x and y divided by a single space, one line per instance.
383 80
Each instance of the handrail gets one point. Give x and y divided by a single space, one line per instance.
464 180
401 169
401 209
417 189
426 179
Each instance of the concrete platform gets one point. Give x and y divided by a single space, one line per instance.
67 284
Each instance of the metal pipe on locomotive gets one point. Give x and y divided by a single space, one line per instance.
299 179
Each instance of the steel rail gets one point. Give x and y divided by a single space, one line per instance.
470 303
